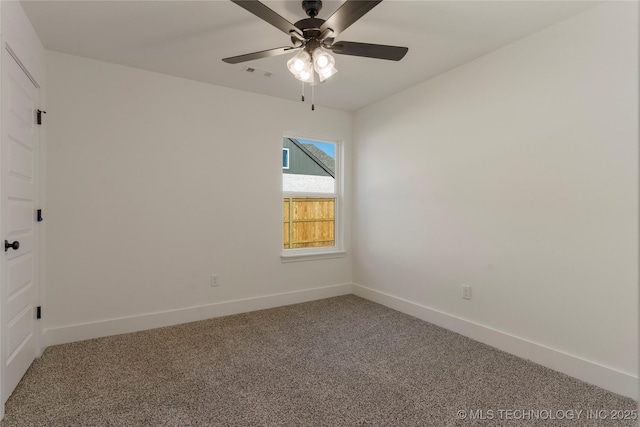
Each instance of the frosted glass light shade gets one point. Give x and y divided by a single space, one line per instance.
324 63
299 63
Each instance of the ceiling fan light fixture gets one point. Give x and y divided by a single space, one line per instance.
299 63
324 63
322 59
306 75
327 72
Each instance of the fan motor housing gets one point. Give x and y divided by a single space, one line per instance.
309 26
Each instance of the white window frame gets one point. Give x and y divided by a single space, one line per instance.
287 150
325 252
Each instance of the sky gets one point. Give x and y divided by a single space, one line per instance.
330 149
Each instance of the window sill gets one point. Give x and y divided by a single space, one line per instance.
294 255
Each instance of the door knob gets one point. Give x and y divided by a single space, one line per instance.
15 245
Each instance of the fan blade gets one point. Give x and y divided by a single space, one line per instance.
347 14
259 55
379 51
266 14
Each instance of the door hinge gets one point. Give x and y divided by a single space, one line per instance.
39 215
38 312
40 113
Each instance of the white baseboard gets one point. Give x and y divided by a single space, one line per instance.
593 373
123 325
608 378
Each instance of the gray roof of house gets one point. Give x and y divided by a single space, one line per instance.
326 159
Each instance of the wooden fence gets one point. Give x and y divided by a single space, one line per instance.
309 222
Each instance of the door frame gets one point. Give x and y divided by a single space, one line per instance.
8 54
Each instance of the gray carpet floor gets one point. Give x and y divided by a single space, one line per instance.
336 362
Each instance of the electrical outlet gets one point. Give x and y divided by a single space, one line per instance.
215 280
466 291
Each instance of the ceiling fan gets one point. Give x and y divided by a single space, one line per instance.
314 38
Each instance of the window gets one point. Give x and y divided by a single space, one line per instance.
311 209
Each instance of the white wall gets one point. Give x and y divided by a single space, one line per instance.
516 174
154 184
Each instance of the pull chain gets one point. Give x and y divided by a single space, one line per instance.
313 98
302 91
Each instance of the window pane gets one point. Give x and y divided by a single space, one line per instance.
309 222
311 166
285 158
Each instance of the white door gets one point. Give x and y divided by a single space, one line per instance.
19 180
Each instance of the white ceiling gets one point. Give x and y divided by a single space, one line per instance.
189 38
